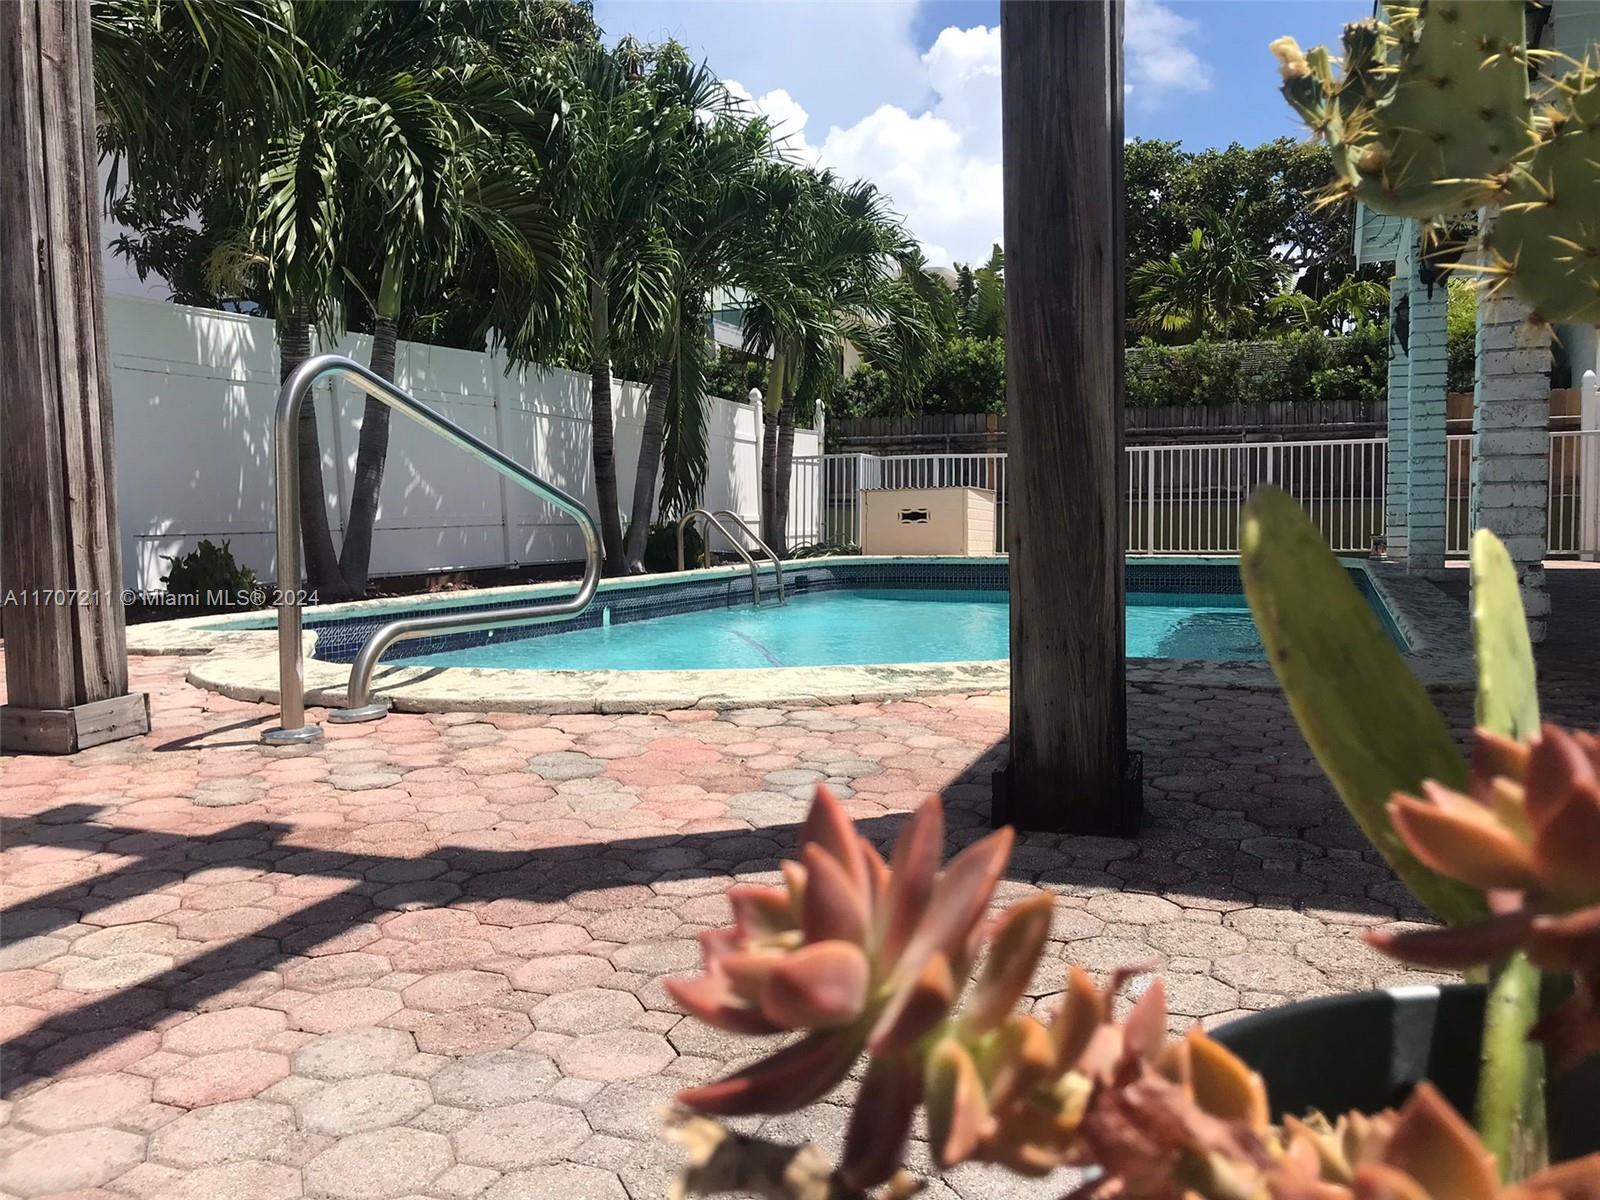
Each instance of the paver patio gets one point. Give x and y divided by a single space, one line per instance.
425 957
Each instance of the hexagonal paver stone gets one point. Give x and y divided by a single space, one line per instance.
587 1010
471 1030
561 972
378 1165
218 1078
225 1133
235 1181
451 990
69 1162
1133 908
230 1029
357 1105
565 764
115 971
520 1135
493 1078
82 1102
1281 974
352 1052
347 1009
620 1054
569 1181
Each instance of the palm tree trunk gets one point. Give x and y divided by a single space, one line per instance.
777 385
322 564
372 451
769 473
648 472
782 470
603 426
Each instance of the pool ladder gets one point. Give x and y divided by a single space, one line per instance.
292 727
715 519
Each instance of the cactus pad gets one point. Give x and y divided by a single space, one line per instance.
1430 109
1547 237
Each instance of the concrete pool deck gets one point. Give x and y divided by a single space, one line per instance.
424 958
242 664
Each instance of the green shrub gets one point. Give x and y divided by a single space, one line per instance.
661 548
968 376
211 573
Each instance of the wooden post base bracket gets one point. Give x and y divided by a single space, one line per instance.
68 730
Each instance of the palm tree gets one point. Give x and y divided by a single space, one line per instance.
839 268
714 196
615 170
1352 303
1216 286
389 143
981 298
193 98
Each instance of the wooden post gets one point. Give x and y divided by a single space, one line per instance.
66 657
1061 102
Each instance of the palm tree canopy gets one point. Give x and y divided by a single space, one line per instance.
1218 285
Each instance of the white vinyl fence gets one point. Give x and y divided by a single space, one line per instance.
1186 499
193 393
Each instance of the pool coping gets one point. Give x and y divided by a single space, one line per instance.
242 663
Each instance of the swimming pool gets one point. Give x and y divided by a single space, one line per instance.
854 628
863 625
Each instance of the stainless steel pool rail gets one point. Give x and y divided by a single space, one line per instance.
292 727
777 564
714 518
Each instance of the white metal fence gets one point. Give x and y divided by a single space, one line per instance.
1187 499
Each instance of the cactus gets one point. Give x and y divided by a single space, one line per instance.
1433 115
1430 110
1545 243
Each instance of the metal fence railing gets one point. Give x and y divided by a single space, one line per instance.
1187 499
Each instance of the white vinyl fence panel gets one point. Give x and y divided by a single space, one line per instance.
194 392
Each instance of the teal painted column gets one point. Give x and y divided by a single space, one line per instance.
1428 372
1397 517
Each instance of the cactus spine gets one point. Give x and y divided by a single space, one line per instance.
1432 116
1546 242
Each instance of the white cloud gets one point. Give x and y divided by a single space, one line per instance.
931 139
1158 56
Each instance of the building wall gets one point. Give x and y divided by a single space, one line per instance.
194 390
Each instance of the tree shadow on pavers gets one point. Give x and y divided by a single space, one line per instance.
1237 865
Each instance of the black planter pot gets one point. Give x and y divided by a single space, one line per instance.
1368 1050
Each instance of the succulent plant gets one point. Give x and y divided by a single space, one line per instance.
1526 836
1431 107
857 955
866 957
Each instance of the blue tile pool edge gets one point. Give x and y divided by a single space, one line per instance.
340 631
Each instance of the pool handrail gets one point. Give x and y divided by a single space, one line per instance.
777 563
292 727
755 574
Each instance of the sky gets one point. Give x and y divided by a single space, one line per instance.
907 92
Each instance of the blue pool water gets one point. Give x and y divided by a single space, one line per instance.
858 625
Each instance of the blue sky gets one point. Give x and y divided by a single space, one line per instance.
906 92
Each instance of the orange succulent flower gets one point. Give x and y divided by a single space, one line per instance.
860 956
1529 836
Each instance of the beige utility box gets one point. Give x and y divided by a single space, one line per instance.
946 520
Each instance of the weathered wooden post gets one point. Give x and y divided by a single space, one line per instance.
66 657
1061 100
